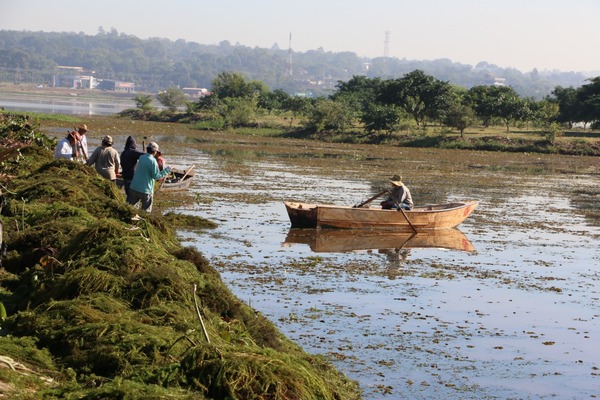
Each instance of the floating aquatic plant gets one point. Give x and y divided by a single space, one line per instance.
101 297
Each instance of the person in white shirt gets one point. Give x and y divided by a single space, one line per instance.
64 147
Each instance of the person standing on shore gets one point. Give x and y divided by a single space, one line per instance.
141 188
65 148
106 159
160 160
82 146
129 160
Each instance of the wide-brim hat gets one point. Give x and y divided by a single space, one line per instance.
82 128
396 180
107 140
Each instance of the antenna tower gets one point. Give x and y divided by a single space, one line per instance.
289 71
386 45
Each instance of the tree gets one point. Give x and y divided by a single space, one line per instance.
568 106
420 95
143 102
273 101
328 114
297 105
502 102
460 116
359 91
381 117
237 111
233 84
510 107
478 97
172 98
543 112
588 97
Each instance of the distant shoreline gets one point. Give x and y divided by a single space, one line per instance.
29 89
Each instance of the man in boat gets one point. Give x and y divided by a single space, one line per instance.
141 188
105 159
399 196
129 160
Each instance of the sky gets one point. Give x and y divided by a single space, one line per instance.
559 35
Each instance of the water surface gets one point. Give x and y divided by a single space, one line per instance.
516 318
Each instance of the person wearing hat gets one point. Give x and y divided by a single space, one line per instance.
106 159
82 146
65 148
399 196
146 173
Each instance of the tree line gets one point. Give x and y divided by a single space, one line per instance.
382 107
156 64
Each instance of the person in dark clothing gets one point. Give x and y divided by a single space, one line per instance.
129 159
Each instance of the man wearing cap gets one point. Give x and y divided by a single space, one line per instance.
141 188
106 159
399 196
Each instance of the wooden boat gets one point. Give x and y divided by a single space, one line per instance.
423 218
347 240
177 180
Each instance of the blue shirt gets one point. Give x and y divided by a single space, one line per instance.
146 173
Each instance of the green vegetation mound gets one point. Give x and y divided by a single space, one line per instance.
103 303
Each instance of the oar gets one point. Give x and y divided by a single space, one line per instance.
407 220
187 172
402 210
370 199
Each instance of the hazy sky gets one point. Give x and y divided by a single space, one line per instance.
524 34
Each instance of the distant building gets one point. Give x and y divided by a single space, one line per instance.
499 81
74 78
118 86
196 92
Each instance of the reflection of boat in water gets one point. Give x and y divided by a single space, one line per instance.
423 218
344 240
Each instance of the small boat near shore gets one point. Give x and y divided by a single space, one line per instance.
423 218
177 180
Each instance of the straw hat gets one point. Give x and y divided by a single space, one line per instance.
396 180
82 128
107 140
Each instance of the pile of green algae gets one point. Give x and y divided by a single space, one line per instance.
99 300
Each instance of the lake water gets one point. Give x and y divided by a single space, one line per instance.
70 104
517 318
